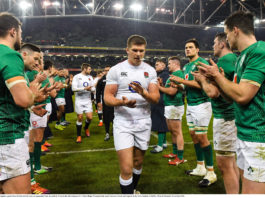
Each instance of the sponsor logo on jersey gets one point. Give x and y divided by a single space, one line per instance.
131 89
124 74
186 76
235 78
146 74
85 84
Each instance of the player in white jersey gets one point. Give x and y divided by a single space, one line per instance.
131 86
82 85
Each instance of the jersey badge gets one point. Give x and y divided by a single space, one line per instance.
131 89
146 74
186 76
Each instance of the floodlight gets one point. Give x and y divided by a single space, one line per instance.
207 28
136 7
257 21
46 3
91 5
56 3
25 5
118 6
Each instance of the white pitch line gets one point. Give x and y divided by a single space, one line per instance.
101 150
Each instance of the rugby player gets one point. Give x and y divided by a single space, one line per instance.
247 91
131 86
82 85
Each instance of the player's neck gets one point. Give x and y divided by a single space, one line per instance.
194 58
224 52
7 43
244 41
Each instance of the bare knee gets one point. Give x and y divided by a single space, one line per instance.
138 162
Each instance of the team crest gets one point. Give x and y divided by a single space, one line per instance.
146 74
186 76
131 89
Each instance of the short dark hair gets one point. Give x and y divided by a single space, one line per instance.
85 66
48 64
161 61
174 58
222 38
194 41
136 40
242 20
7 22
30 47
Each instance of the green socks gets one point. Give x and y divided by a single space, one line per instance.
161 137
37 154
31 159
175 149
180 154
208 155
199 152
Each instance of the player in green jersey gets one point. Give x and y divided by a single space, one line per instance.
60 100
198 115
247 92
224 129
15 98
174 110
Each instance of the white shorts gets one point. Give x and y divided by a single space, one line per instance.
200 116
81 108
14 159
60 101
174 112
49 108
26 136
250 158
224 135
128 134
37 121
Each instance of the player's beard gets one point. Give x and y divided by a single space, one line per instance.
17 45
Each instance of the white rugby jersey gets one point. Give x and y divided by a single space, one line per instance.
123 74
80 81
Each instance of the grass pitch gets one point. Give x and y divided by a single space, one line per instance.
92 166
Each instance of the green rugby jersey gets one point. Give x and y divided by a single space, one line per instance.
62 80
221 108
250 118
14 120
177 99
194 96
31 76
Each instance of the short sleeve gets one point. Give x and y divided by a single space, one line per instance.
13 66
153 76
255 69
112 77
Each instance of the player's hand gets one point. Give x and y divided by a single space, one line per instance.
210 71
128 103
137 87
198 76
40 77
160 81
88 88
175 79
38 110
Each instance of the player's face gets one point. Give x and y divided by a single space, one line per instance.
230 36
171 65
17 44
88 70
191 50
41 64
31 60
216 47
160 66
135 54
106 70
